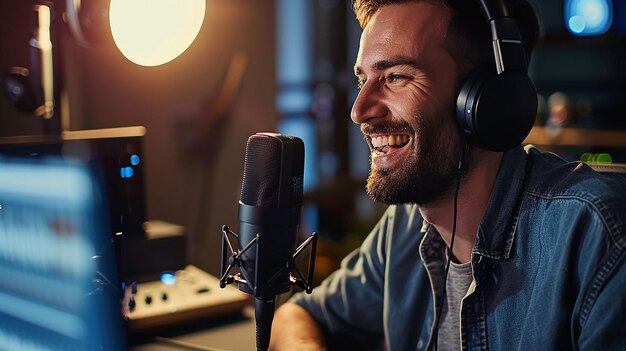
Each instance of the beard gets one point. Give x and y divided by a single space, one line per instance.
430 171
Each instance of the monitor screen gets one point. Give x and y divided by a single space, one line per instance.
59 288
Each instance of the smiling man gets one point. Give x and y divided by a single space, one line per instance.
408 80
480 248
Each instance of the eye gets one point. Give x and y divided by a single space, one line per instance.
396 77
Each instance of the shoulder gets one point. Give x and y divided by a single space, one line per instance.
551 176
575 187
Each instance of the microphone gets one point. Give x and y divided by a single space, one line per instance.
269 214
270 205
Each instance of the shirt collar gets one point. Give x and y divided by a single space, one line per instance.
497 228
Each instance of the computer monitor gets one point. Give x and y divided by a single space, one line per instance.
59 288
115 152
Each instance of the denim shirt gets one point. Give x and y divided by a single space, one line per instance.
548 266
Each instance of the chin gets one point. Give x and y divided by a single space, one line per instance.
395 189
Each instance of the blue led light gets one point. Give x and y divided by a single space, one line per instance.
588 17
127 172
168 278
134 159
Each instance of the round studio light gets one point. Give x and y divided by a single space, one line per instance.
153 32
588 17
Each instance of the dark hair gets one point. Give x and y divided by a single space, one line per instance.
468 28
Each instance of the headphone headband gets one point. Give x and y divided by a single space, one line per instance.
494 9
498 108
505 36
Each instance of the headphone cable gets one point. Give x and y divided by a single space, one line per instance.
460 166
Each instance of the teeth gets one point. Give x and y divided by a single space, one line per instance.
390 140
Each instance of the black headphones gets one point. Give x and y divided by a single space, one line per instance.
497 108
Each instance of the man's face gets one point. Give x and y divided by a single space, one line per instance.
405 106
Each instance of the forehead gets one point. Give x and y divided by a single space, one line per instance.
414 29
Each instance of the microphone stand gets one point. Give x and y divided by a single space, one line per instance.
264 306
263 316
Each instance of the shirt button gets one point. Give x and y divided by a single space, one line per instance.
420 344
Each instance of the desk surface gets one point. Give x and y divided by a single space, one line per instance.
228 334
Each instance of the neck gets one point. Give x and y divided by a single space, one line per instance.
473 198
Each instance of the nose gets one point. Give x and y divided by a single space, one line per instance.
368 104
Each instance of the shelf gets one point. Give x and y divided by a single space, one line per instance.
576 137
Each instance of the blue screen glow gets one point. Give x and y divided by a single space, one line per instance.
588 17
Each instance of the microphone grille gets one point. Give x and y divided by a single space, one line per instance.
273 171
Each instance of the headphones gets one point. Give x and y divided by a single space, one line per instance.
497 108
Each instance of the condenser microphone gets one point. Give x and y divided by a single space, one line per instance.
269 214
270 206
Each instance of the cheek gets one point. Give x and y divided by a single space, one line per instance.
426 115
410 107
437 130
442 109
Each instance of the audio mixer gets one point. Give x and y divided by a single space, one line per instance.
180 297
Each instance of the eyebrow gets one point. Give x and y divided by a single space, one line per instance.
384 64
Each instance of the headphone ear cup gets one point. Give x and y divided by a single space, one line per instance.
470 89
497 110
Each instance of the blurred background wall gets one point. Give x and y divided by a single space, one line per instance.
298 80
186 183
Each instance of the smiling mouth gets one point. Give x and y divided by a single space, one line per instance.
388 142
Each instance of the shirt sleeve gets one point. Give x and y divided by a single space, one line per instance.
349 303
604 328
603 311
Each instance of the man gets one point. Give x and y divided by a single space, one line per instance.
538 255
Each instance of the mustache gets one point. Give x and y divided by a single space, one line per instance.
387 127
